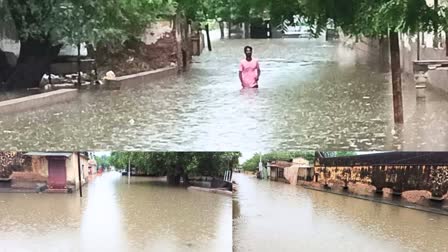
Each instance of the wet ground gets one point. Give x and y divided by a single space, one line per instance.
313 94
4 96
114 216
273 216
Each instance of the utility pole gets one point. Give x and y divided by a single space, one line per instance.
78 59
260 167
79 174
418 45
396 76
129 171
207 31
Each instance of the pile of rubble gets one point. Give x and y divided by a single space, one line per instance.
68 80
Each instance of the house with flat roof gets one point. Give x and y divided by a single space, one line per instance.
47 171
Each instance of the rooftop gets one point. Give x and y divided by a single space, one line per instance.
388 158
49 154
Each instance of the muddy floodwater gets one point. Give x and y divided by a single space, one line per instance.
273 216
114 216
313 94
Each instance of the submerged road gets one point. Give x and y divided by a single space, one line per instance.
274 216
146 215
313 94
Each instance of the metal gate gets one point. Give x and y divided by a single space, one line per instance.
57 173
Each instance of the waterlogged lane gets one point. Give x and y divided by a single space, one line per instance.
114 216
273 216
313 94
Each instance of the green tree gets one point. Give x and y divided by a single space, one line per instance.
328 154
44 26
103 161
177 165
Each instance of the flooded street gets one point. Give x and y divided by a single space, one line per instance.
114 216
313 94
273 216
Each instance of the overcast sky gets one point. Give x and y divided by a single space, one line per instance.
102 153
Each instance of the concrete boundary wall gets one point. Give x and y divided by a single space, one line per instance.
141 78
38 100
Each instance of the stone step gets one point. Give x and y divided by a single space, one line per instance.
56 191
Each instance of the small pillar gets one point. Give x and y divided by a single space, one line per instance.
396 193
379 190
421 81
436 198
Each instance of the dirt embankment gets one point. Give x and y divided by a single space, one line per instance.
134 56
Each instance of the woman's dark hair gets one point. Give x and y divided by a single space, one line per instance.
246 47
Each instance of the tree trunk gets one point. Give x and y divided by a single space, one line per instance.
79 65
5 67
34 61
396 76
446 43
230 28
186 47
173 179
384 54
207 31
436 39
246 30
221 28
418 45
185 179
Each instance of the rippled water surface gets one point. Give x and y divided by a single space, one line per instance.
312 94
114 216
273 216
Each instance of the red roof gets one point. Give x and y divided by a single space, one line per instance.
280 164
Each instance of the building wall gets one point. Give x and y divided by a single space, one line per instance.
8 36
28 178
72 170
408 52
301 161
305 173
157 31
13 161
39 172
40 165
291 173
372 50
397 177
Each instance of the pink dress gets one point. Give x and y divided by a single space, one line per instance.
249 71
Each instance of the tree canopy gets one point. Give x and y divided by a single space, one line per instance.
356 17
177 163
102 161
373 18
328 154
70 21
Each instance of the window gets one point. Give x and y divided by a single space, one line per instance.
280 173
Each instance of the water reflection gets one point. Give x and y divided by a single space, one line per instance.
114 216
280 217
102 228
